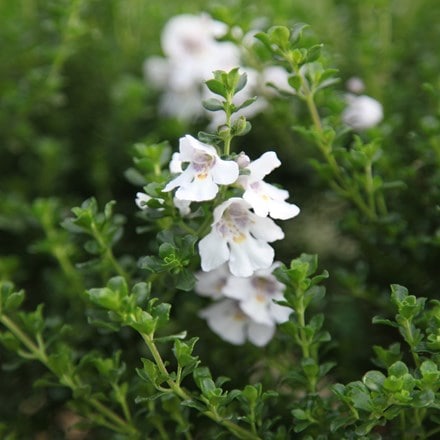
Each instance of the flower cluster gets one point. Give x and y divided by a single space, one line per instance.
236 257
192 51
245 307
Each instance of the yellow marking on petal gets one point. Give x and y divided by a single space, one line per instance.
239 238
265 197
202 176
260 297
239 316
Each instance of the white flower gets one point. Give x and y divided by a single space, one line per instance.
227 320
199 181
192 53
256 295
191 36
240 238
211 283
265 198
362 112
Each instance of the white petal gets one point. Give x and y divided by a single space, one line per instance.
257 308
189 143
225 320
258 203
184 105
186 148
265 229
225 172
220 209
212 283
282 210
198 190
273 192
362 112
184 206
279 313
260 334
237 288
213 251
264 165
156 70
176 164
248 256
182 179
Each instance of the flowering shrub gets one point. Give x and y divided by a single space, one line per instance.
139 310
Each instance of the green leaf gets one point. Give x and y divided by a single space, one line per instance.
143 322
398 369
300 414
213 104
295 81
360 396
151 373
251 393
9 341
423 399
247 103
186 280
380 320
398 293
183 352
280 36
13 301
310 367
217 87
374 380
104 297
314 53
203 380
296 32
241 83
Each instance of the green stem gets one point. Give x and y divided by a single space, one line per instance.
68 268
409 337
161 365
370 187
108 253
304 342
39 353
120 396
180 392
340 183
64 46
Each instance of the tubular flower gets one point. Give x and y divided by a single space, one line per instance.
199 181
256 296
265 198
227 320
240 238
192 52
